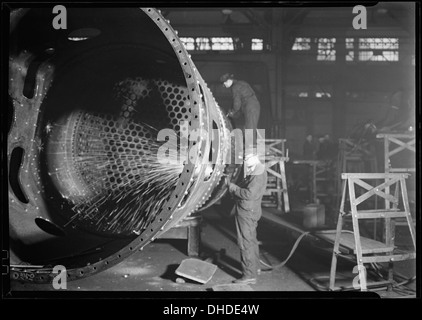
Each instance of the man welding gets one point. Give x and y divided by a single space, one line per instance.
248 196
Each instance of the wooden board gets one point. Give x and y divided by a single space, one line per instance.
347 240
197 270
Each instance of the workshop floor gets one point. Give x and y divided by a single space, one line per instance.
153 269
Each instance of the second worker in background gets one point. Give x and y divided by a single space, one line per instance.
245 102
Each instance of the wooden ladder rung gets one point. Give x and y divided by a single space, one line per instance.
382 214
393 258
377 250
404 223
379 210
347 240
372 246
398 170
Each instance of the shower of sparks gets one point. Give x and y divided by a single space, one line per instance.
127 184
115 157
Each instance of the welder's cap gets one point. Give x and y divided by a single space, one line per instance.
226 77
251 158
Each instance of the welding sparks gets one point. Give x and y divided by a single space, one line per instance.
128 184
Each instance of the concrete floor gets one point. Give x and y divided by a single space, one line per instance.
153 269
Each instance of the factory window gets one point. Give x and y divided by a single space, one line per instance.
350 56
302 44
350 44
378 55
378 49
222 43
257 45
309 91
322 95
372 49
326 51
203 44
379 43
189 43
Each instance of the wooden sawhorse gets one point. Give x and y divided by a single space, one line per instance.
403 142
275 159
354 157
369 250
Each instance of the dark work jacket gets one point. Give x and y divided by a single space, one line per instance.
248 193
309 150
245 102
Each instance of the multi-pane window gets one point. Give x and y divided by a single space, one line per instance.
220 43
308 91
357 49
378 49
302 44
350 54
189 43
257 44
326 51
205 43
372 49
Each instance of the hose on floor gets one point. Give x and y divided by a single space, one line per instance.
399 287
296 244
289 256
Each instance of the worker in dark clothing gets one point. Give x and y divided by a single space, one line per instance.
248 196
245 103
309 148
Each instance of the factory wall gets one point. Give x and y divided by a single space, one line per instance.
300 95
358 93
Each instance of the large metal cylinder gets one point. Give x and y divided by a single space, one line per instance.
88 103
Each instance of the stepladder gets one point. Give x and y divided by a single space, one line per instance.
399 156
354 157
275 158
357 189
277 184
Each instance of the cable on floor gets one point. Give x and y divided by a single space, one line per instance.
398 287
289 256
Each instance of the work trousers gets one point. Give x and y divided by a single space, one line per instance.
251 116
246 224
